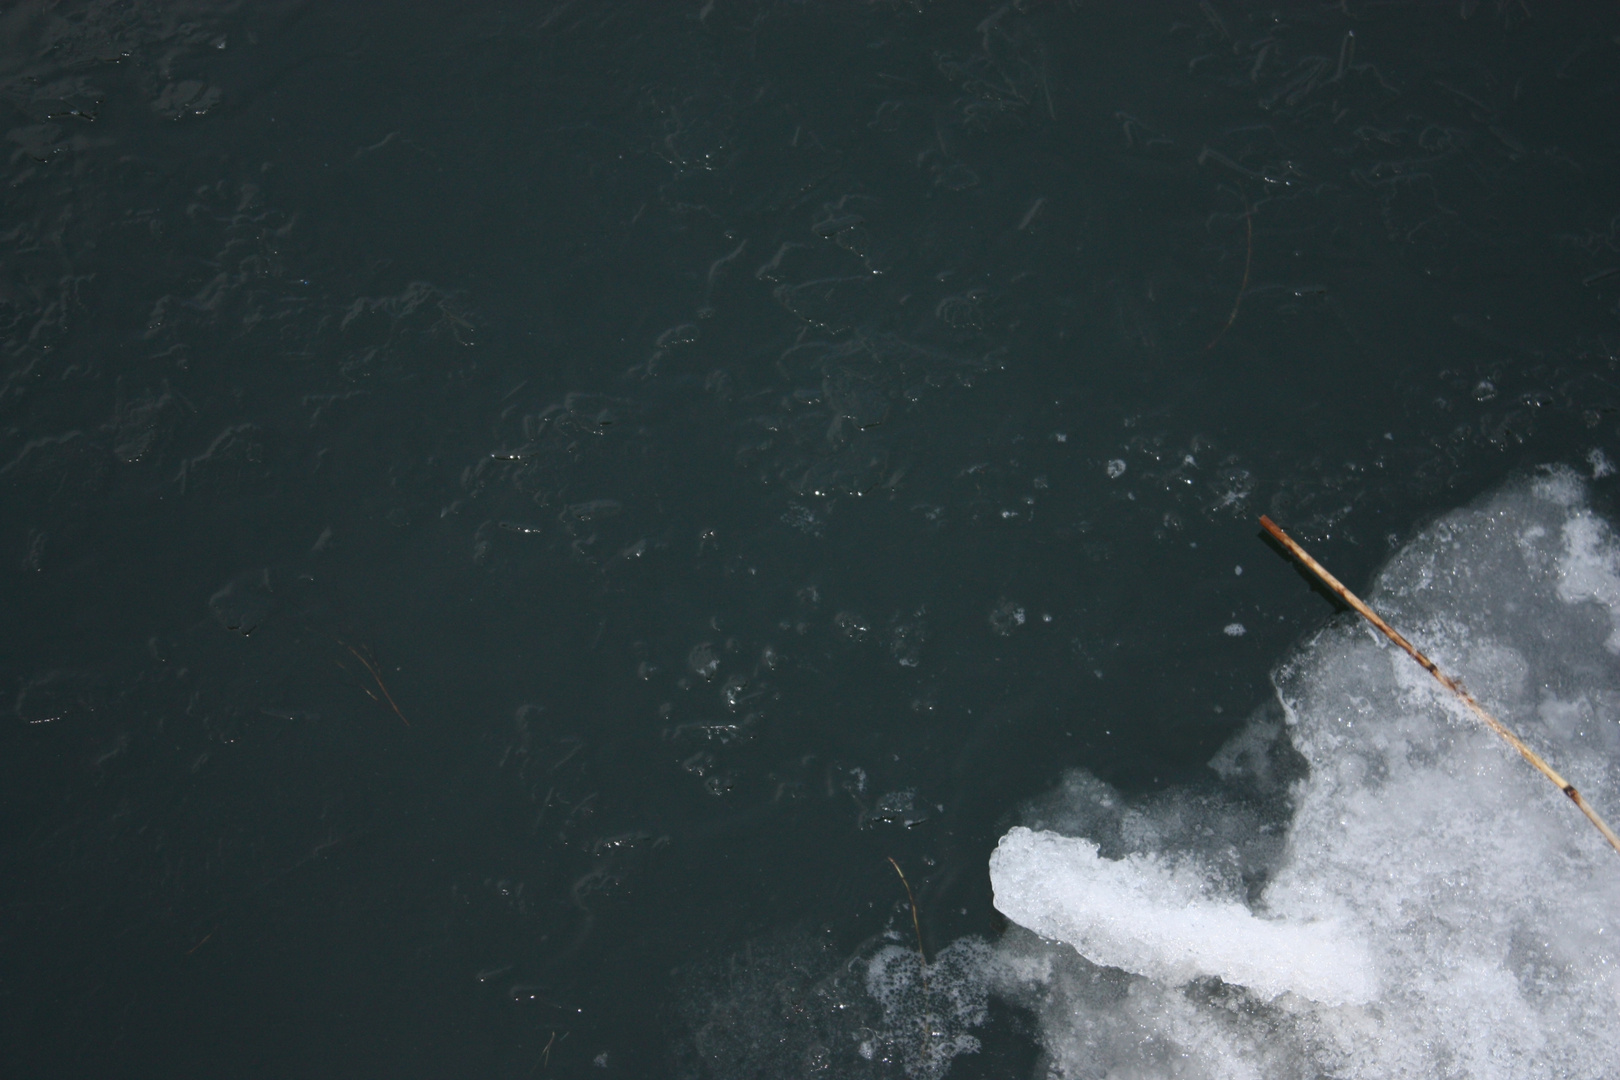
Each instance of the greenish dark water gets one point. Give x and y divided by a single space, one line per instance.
510 515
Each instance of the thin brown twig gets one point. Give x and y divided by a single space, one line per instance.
1441 677
377 675
916 924
1248 261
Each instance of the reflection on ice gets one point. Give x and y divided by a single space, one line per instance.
1436 908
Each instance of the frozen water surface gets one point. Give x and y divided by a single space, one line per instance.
1437 908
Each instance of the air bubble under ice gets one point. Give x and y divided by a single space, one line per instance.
1434 907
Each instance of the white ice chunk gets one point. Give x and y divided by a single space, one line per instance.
1141 915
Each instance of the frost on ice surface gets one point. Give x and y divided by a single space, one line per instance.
1589 569
1428 906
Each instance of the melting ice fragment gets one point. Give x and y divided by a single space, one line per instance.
1148 917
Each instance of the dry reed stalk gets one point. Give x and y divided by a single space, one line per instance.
1441 677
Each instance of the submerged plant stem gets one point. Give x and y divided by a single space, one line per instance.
376 675
1248 262
916 924
1441 677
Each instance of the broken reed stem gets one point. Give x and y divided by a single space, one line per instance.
1248 261
916 924
1441 677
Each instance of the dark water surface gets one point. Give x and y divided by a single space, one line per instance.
511 514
